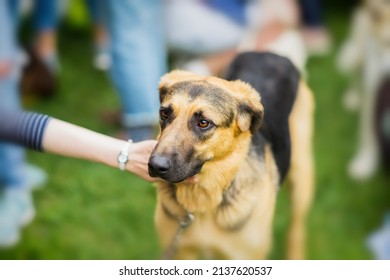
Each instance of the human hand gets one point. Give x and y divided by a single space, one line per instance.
286 12
268 34
139 154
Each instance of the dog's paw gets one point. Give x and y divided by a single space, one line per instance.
351 100
363 166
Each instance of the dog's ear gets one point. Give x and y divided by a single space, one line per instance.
250 111
249 117
173 77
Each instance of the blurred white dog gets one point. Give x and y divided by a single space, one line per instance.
366 57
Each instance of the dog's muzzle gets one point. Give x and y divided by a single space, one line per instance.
173 169
159 165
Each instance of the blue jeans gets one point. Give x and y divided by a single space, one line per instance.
138 57
96 10
11 157
312 13
45 14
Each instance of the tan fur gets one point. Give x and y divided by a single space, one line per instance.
240 228
301 173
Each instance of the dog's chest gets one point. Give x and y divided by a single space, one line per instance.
211 241
236 228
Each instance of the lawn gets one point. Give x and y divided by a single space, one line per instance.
89 211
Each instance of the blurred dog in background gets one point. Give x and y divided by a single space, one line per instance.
365 56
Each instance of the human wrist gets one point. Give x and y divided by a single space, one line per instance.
123 156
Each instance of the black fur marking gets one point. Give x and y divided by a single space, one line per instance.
256 117
228 197
201 134
277 80
172 188
190 154
197 89
163 92
238 225
171 191
216 97
169 213
164 122
229 117
258 145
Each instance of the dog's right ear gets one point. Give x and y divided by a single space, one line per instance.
173 77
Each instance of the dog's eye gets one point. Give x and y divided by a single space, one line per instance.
204 124
164 114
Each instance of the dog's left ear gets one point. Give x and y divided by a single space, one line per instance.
249 117
250 111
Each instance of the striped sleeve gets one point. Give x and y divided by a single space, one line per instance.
23 128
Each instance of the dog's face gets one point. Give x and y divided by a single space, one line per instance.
380 17
201 119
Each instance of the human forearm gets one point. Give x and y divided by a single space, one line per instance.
42 133
73 141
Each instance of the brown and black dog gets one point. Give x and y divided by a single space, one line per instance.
224 150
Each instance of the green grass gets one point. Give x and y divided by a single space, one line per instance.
89 211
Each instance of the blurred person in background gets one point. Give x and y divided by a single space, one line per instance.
275 27
315 34
47 15
43 133
141 46
39 75
128 38
43 63
138 54
229 27
102 58
209 30
17 178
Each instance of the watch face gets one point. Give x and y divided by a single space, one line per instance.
122 158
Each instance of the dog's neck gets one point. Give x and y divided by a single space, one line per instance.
214 179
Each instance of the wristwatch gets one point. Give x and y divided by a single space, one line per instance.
123 156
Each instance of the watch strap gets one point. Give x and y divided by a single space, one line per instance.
123 156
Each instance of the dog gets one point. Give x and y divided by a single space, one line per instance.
223 152
365 57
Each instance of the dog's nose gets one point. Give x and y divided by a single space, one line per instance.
159 165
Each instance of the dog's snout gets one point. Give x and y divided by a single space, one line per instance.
159 165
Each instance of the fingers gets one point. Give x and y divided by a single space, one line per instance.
139 155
